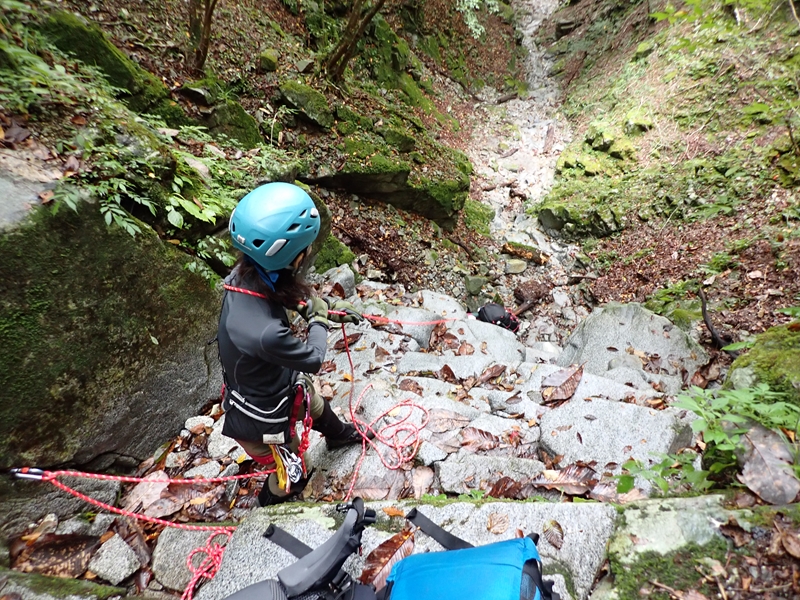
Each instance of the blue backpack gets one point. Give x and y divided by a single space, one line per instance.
508 570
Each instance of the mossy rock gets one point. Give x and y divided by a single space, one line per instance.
388 55
775 360
637 121
232 120
333 254
373 168
87 42
600 136
574 221
268 60
309 102
623 149
567 160
477 216
41 586
401 140
591 165
96 327
644 49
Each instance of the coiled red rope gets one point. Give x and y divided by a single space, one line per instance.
208 566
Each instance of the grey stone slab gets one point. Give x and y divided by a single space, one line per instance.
220 445
428 454
170 554
460 473
610 432
97 526
204 471
446 307
114 561
499 426
590 386
193 422
462 366
587 528
614 328
667 525
416 323
344 276
490 340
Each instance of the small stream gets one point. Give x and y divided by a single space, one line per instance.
514 152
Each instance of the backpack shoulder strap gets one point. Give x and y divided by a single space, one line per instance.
445 538
287 541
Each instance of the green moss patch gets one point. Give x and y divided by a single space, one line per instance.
85 312
775 360
333 254
477 216
308 101
88 43
231 119
60 587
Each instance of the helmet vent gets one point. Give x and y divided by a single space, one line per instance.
293 227
276 247
257 243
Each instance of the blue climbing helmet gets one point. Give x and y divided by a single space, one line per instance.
274 223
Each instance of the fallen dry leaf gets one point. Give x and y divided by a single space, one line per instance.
421 480
441 420
767 466
380 561
465 349
393 511
498 523
58 555
477 440
573 479
562 384
554 533
409 385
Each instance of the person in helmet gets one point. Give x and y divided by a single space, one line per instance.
274 226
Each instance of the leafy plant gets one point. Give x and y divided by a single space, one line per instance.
723 416
719 262
675 471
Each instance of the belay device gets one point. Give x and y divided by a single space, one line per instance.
507 570
497 315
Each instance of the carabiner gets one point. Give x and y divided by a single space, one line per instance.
28 473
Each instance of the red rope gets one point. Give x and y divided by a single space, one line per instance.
376 318
402 437
208 566
127 513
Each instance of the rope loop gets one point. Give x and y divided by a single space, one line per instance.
209 565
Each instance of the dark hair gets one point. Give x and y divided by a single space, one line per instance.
290 288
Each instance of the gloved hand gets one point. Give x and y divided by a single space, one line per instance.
315 310
351 314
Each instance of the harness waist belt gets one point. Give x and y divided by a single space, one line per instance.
259 414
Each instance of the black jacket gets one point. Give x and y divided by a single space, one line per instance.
260 356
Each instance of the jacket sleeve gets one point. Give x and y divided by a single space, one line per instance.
279 346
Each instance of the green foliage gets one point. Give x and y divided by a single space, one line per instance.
469 10
673 302
723 416
673 472
719 262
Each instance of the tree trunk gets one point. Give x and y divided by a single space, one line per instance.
346 48
201 14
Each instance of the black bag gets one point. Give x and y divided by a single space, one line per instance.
497 315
